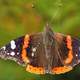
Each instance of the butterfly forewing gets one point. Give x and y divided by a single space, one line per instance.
13 50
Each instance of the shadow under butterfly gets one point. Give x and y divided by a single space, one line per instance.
44 52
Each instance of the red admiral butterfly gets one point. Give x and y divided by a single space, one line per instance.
44 52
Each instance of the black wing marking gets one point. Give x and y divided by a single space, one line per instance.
13 50
76 51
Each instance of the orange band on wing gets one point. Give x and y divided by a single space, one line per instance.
25 45
24 56
69 42
36 70
69 46
60 70
26 41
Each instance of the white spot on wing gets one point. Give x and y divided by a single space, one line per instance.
32 54
34 49
4 48
76 55
7 53
13 45
17 53
12 53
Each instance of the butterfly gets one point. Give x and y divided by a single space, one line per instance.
44 52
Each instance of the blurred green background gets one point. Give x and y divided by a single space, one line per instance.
18 17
